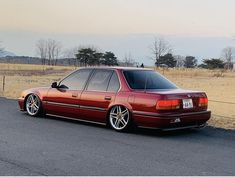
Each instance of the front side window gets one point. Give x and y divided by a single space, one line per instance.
77 80
99 80
147 80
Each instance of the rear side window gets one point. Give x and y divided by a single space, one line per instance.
77 80
114 84
135 79
144 79
99 80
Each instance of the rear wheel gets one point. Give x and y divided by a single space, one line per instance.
33 105
119 118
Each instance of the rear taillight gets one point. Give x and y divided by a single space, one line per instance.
203 102
168 104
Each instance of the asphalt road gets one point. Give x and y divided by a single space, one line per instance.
50 146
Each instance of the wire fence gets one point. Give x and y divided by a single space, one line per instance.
3 84
223 102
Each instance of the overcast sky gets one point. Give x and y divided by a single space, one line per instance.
22 22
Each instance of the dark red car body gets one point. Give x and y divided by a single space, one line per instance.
94 106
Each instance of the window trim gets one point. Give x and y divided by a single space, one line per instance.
114 72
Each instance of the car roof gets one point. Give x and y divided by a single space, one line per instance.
117 68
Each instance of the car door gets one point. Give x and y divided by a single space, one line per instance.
64 100
99 93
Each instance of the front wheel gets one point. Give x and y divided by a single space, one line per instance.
33 105
120 118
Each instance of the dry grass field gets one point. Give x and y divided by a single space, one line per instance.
219 85
220 89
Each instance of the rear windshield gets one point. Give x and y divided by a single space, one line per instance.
149 80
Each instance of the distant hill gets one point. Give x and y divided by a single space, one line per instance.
5 53
34 60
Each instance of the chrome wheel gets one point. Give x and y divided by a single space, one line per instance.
119 118
33 105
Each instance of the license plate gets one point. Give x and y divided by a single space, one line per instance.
187 103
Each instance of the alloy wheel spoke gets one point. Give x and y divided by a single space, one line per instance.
113 114
123 121
116 123
31 109
124 113
36 106
119 109
28 105
31 99
114 117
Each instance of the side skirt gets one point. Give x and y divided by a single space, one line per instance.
80 120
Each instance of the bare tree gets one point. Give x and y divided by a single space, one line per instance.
53 51
70 54
179 61
228 55
160 48
128 60
49 50
41 49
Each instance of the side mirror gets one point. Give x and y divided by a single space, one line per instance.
54 85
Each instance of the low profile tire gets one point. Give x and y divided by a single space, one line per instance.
33 105
120 118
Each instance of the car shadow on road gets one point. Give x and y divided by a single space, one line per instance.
160 133
134 131
204 132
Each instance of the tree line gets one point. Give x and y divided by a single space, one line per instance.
91 57
164 57
50 50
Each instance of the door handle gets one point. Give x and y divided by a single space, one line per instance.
74 95
107 97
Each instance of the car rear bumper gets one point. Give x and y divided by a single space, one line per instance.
172 121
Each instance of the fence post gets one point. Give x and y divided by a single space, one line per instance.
3 83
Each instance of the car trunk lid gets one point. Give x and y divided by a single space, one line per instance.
188 100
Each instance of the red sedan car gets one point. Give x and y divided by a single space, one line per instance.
119 97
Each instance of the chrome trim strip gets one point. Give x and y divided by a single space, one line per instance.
92 108
81 120
62 104
76 106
